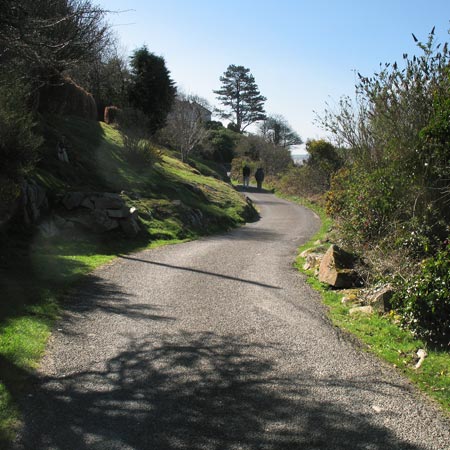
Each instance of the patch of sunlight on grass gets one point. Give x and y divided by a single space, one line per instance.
23 339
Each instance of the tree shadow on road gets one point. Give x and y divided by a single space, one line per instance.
193 391
202 272
96 294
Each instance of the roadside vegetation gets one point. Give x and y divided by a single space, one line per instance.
383 184
380 334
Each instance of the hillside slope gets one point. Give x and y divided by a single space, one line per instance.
174 202
99 162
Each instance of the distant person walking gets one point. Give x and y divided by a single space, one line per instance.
259 176
246 175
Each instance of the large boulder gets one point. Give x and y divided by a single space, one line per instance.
313 257
337 268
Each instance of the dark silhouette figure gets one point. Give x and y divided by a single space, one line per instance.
259 176
246 175
61 150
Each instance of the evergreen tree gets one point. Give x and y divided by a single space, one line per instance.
240 94
151 89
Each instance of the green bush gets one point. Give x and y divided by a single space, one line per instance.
140 153
18 141
434 157
305 181
134 128
219 144
423 300
368 204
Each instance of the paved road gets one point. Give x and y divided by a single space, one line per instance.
218 344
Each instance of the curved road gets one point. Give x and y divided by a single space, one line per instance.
218 344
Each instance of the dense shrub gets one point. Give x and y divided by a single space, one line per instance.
397 136
140 152
313 178
368 204
304 181
219 144
434 160
275 159
19 144
424 300
18 140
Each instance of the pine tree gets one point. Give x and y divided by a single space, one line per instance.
240 94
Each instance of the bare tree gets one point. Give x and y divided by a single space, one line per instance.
106 78
186 123
40 39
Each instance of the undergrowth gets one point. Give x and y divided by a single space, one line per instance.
382 334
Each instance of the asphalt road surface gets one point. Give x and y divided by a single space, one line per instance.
218 344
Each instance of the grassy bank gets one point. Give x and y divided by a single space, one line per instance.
36 271
380 334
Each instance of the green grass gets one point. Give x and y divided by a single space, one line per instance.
36 272
380 334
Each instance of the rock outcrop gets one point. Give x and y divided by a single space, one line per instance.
337 268
97 212
313 257
101 212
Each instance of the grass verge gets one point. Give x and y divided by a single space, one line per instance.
380 334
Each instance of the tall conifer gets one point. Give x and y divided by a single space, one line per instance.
240 94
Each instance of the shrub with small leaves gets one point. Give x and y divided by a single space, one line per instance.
423 301
368 204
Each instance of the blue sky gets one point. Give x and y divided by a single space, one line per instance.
301 53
